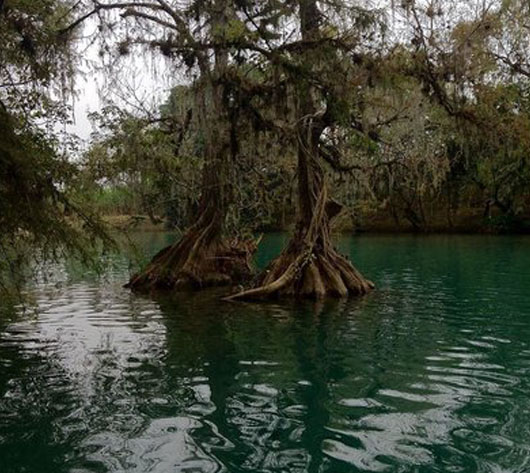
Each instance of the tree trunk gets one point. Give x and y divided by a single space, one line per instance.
202 257
310 266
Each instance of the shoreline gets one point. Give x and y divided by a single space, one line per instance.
142 223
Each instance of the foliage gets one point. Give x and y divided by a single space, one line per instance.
39 217
138 157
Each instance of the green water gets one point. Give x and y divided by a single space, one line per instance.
430 373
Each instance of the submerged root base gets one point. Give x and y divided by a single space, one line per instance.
189 264
308 273
310 267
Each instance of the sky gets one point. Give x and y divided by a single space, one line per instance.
87 101
140 83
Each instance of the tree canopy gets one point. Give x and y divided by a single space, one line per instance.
38 214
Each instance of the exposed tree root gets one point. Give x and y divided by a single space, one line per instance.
195 263
309 267
308 273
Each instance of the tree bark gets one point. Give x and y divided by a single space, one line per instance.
310 266
202 257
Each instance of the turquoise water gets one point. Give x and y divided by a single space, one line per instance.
430 373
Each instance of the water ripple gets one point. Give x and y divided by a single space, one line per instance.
431 373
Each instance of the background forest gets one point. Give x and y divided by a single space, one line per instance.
434 138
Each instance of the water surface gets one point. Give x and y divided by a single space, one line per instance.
430 373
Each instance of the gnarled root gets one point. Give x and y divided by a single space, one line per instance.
195 263
309 273
310 266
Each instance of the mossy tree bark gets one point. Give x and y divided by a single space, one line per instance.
202 257
310 266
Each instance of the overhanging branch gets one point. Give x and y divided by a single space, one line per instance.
111 6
